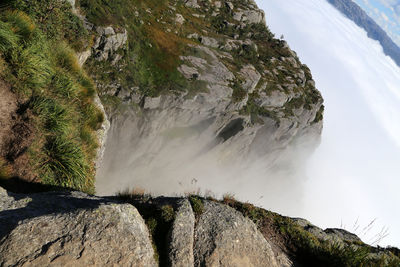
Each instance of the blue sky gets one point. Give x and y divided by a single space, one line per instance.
386 13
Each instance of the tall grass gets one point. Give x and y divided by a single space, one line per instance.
23 25
59 95
32 68
65 163
8 39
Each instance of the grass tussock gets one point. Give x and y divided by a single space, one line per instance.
8 38
58 94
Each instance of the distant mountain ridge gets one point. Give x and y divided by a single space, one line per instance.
374 31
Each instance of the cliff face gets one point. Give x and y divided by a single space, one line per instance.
74 229
197 83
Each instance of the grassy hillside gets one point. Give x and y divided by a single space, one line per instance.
57 143
156 43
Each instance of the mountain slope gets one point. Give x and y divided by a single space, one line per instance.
199 83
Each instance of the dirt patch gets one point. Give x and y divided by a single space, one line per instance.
277 241
16 134
8 108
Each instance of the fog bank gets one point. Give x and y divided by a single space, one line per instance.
354 174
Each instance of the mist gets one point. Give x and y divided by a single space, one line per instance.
353 177
161 154
349 180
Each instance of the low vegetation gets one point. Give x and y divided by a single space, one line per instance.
55 100
158 214
306 249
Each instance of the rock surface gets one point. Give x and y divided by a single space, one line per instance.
108 42
223 237
182 236
71 229
75 229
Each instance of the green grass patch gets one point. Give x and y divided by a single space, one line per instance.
197 205
56 20
46 77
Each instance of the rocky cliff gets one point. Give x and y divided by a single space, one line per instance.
197 83
74 229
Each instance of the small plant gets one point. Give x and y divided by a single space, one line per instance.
238 93
229 199
152 225
135 193
197 205
167 213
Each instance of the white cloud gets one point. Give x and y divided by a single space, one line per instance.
355 171
383 15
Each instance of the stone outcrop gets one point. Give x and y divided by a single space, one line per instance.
223 237
182 236
334 235
75 229
108 42
71 229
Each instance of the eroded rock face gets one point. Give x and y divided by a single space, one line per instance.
223 237
233 71
108 42
71 229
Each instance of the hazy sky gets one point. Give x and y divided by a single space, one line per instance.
386 13
354 174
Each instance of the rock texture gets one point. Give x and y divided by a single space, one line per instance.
333 235
71 229
223 237
108 42
75 229
182 236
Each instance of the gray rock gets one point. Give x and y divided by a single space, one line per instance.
250 16
192 3
274 99
188 72
229 5
223 237
333 235
108 42
217 4
209 67
102 132
251 77
73 229
208 41
179 19
83 56
341 234
182 236
152 102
